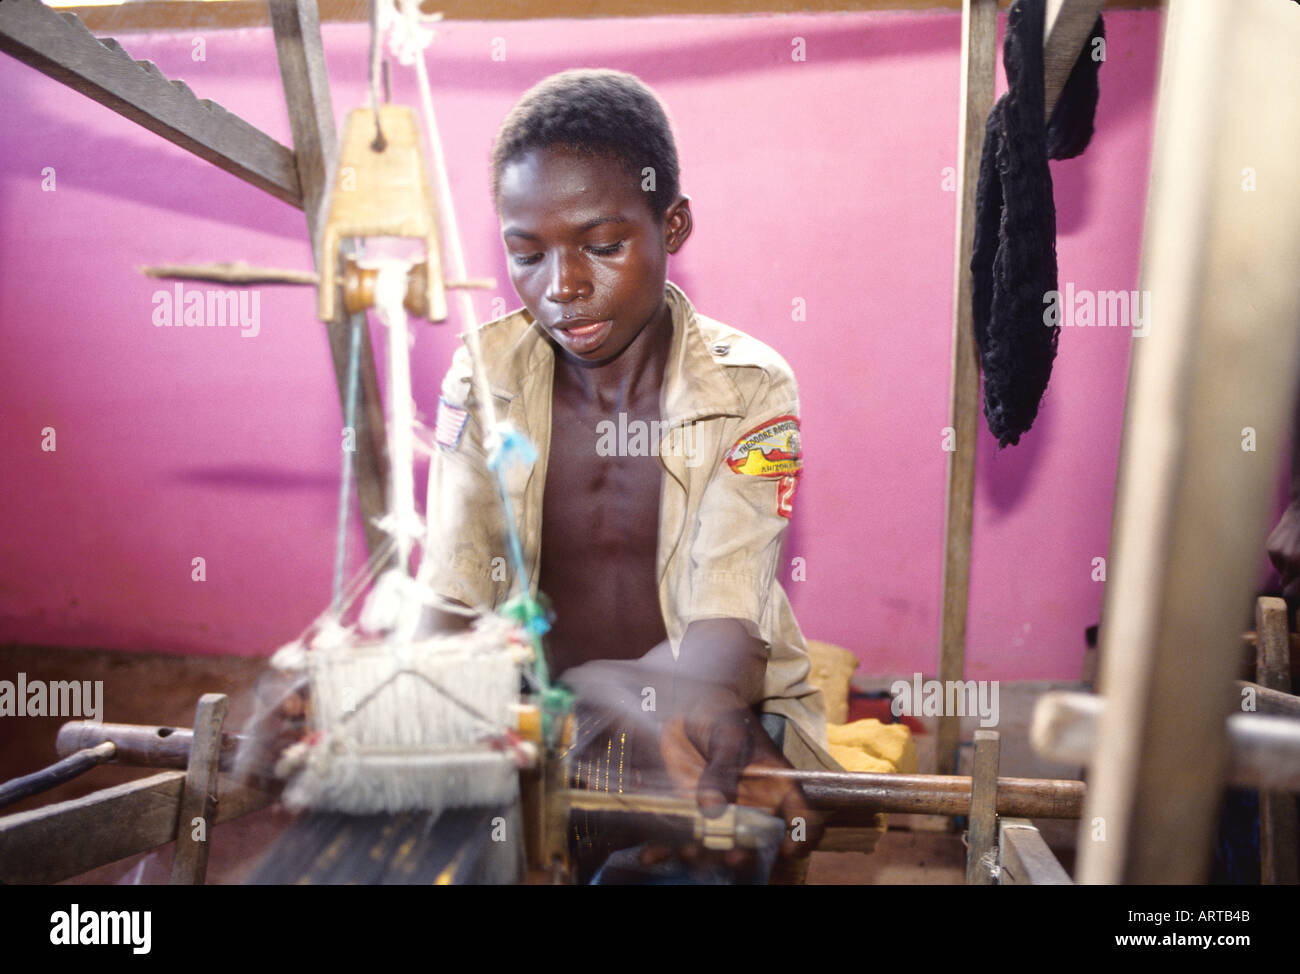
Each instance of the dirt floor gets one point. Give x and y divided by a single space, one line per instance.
161 690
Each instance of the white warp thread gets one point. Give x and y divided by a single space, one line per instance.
390 293
407 730
454 253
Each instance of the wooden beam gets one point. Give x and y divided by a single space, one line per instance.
59 45
311 115
142 15
65 839
978 58
1024 858
1066 27
199 797
1211 390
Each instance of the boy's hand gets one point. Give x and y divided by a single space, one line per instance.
282 718
707 756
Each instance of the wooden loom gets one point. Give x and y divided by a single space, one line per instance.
64 50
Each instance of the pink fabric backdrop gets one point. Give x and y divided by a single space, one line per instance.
821 179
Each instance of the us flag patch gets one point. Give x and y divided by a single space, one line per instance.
451 424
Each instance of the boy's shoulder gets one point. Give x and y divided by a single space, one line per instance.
731 348
506 350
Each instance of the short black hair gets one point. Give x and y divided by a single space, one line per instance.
598 111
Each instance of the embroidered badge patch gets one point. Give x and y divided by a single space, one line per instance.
771 450
451 424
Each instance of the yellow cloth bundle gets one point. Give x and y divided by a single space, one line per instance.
869 745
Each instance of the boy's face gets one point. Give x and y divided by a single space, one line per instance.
587 256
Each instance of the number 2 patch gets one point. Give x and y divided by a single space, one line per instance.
785 494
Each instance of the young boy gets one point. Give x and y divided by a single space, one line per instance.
668 460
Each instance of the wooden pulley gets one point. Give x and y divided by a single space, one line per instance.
381 189
359 287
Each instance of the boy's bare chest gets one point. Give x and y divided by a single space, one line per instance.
600 534
603 481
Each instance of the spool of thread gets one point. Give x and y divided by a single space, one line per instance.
528 721
359 288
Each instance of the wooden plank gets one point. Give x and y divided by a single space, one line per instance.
59 45
978 58
199 796
143 15
1066 27
65 839
1217 365
1024 858
298 47
981 853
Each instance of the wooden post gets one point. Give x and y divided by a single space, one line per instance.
1065 28
1277 810
979 33
1212 384
982 834
198 805
296 24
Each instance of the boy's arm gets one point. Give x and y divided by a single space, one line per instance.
463 513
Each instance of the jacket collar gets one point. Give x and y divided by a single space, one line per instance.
695 385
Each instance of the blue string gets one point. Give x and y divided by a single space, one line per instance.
516 449
345 480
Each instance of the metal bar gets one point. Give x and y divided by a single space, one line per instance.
1262 750
72 766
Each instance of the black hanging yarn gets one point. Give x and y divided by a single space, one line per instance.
1013 263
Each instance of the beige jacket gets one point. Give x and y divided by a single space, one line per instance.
730 456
